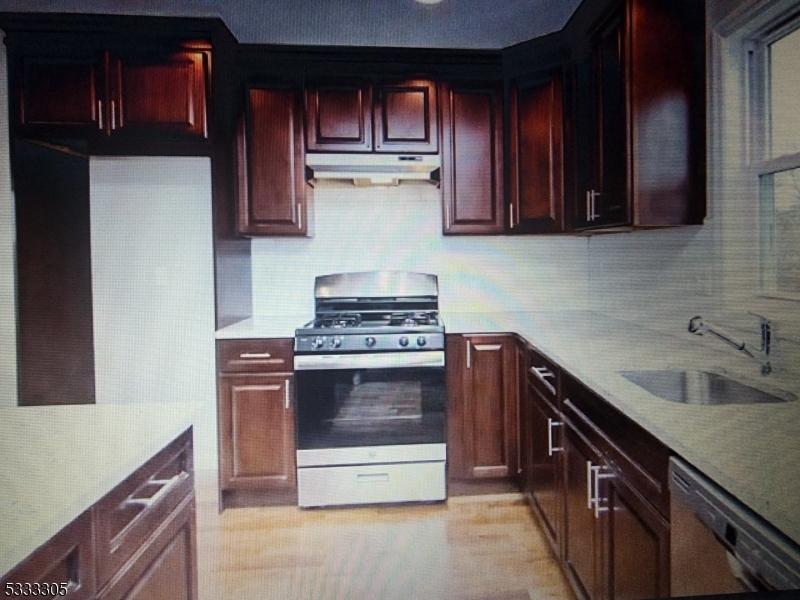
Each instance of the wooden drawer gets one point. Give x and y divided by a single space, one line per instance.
163 568
67 558
255 356
635 455
543 375
128 515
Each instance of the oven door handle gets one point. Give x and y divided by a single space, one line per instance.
386 360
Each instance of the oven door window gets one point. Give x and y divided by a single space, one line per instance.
370 407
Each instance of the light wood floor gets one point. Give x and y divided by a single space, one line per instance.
472 548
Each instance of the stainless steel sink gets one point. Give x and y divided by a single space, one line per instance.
701 387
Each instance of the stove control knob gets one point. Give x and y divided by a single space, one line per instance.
421 341
403 341
335 342
317 342
369 341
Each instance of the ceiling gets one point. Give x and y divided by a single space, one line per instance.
487 24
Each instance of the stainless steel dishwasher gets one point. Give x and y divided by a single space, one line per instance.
718 546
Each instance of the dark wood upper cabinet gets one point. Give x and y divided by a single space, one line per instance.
406 116
65 92
339 117
472 158
536 165
638 104
482 416
159 93
271 164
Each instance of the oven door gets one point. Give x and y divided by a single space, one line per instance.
370 400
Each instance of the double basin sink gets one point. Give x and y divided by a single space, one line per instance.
701 388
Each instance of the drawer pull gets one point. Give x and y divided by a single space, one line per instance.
166 487
550 448
543 374
255 355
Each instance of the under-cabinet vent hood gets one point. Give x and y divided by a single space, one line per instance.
372 169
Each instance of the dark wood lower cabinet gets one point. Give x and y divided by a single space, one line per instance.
482 417
545 466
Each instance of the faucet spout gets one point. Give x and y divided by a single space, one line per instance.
700 327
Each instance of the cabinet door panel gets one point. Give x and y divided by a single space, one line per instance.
545 485
582 544
257 432
339 117
271 164
164 93
62 91
406 117
637 546
537 159
472 159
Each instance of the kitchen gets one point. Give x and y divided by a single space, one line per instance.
564 312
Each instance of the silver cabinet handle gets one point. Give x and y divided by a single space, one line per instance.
286 395
588 206
300 216
543 374
511 215
589 470
469 354
100 113
255 355
113 115
598 472
166 486
593 194
550 448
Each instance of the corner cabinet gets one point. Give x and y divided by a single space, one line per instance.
637 98
536 160
256 415
482 407
472 158
270 153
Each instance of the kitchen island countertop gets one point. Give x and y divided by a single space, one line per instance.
60 460
753 451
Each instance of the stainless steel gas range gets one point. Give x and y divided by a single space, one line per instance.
370 386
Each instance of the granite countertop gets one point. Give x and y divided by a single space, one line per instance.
264 326
753 451
60 460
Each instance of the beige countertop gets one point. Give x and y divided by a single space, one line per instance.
59 460
753 451
264 326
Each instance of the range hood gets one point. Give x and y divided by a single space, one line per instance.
372 169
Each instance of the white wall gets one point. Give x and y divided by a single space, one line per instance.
361 229
8 310
153 286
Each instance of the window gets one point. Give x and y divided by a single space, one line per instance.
776 90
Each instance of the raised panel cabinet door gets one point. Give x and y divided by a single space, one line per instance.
271 164
537 161
162 93
545 481
62 93
257 435
636 544
472 158
490 407
582 543
406 117
339 117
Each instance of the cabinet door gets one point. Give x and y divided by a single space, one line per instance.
405 116
524 423
536 170
257 435
582 543
271 163
62 95
636 548
490 407
584 146
165 568
545 480
162 93
339 117
472 159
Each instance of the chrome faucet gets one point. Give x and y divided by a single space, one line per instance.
700 327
